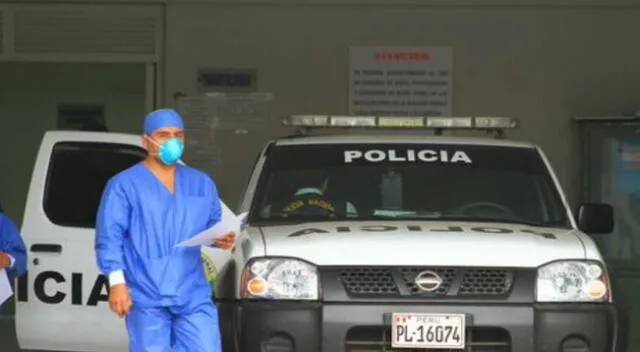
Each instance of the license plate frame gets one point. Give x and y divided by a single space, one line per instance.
412 321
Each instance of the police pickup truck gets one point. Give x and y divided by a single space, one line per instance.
381 242
376 242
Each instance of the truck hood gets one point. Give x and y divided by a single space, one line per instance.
422 243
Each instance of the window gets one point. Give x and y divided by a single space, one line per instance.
78 173
411 181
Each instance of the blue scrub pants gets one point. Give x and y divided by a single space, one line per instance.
189 328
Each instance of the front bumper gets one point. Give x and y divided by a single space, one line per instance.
362 327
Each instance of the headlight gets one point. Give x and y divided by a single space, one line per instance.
280 279
572 281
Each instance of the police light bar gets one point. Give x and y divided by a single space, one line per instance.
416 122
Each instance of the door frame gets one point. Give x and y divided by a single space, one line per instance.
623 273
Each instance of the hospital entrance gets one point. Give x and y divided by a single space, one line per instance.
611 164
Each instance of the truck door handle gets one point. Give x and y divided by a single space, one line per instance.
49 248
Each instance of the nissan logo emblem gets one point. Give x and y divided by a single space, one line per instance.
428 281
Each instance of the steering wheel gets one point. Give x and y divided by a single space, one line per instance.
465 208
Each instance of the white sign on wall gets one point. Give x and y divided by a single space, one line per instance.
400 81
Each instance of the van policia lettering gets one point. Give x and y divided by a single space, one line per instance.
51 287
410 155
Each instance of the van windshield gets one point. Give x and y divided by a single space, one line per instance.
347 182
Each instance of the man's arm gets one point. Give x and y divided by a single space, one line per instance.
12 244
112 223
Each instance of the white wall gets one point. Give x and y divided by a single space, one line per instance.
541 64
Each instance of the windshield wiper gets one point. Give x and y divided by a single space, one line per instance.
267 223
426 215
395 214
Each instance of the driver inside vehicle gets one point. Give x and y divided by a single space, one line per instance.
312 200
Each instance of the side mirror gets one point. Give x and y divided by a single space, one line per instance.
595 218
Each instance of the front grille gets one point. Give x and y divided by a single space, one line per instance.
377 339
401 281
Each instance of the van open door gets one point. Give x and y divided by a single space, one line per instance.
62 301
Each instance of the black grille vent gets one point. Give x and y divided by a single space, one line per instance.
369 281
401 281
489 282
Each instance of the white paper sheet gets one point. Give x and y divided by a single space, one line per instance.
5 287
208 236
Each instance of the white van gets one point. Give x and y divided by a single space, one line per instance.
61 303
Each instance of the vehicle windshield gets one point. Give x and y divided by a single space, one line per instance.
345 182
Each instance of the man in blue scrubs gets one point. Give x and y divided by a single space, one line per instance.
13 254
144 212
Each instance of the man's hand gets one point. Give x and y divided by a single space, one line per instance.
120 300
5 261
227 241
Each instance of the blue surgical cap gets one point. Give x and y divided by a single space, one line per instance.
162 118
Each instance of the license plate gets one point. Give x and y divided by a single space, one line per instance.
428 331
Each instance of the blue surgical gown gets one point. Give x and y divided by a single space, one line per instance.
11 243
139 222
